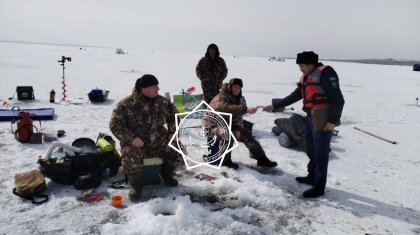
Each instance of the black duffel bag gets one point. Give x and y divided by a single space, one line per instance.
83 163
69 168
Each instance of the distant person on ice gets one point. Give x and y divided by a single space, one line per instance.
318 87
138 121
211 70
229 100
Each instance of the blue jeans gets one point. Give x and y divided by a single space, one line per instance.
317 149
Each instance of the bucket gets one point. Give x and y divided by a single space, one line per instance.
86 144
116 201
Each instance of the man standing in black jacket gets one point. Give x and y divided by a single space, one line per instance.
318 87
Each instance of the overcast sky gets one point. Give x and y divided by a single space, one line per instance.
356 29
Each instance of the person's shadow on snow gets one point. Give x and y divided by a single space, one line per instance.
360 206
106 102
363 207
261 134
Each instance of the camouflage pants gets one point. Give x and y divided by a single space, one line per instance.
132 157
253 145
209 92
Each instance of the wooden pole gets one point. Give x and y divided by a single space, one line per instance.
390 141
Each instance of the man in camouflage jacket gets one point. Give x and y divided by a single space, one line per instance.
211 70
229 100
138 122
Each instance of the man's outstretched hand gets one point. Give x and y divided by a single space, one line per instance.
251 110
268 108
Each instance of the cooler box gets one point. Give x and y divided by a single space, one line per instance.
25 93
151 169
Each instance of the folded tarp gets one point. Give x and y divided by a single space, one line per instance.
36 114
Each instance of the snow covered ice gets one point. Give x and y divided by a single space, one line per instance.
372 185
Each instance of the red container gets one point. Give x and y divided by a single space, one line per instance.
116 200
24 121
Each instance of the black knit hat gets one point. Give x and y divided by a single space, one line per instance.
212 46
146 81
307 57
236 81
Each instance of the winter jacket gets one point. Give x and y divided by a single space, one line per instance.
206 75
312 92
225 102
133 118
211 74
330 84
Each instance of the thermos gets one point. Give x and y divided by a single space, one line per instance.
105 145
52 96
25 127
168 96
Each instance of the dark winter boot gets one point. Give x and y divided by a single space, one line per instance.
313 192
264 161
228 163
166 172
305 180
136 186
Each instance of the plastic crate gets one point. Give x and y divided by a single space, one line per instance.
25 92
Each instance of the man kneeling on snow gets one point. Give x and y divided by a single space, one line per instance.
138 121
229 100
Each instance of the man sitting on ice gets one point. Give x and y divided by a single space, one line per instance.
138 121
229 100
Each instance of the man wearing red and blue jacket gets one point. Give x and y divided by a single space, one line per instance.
318 87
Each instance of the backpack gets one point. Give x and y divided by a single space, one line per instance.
30 183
